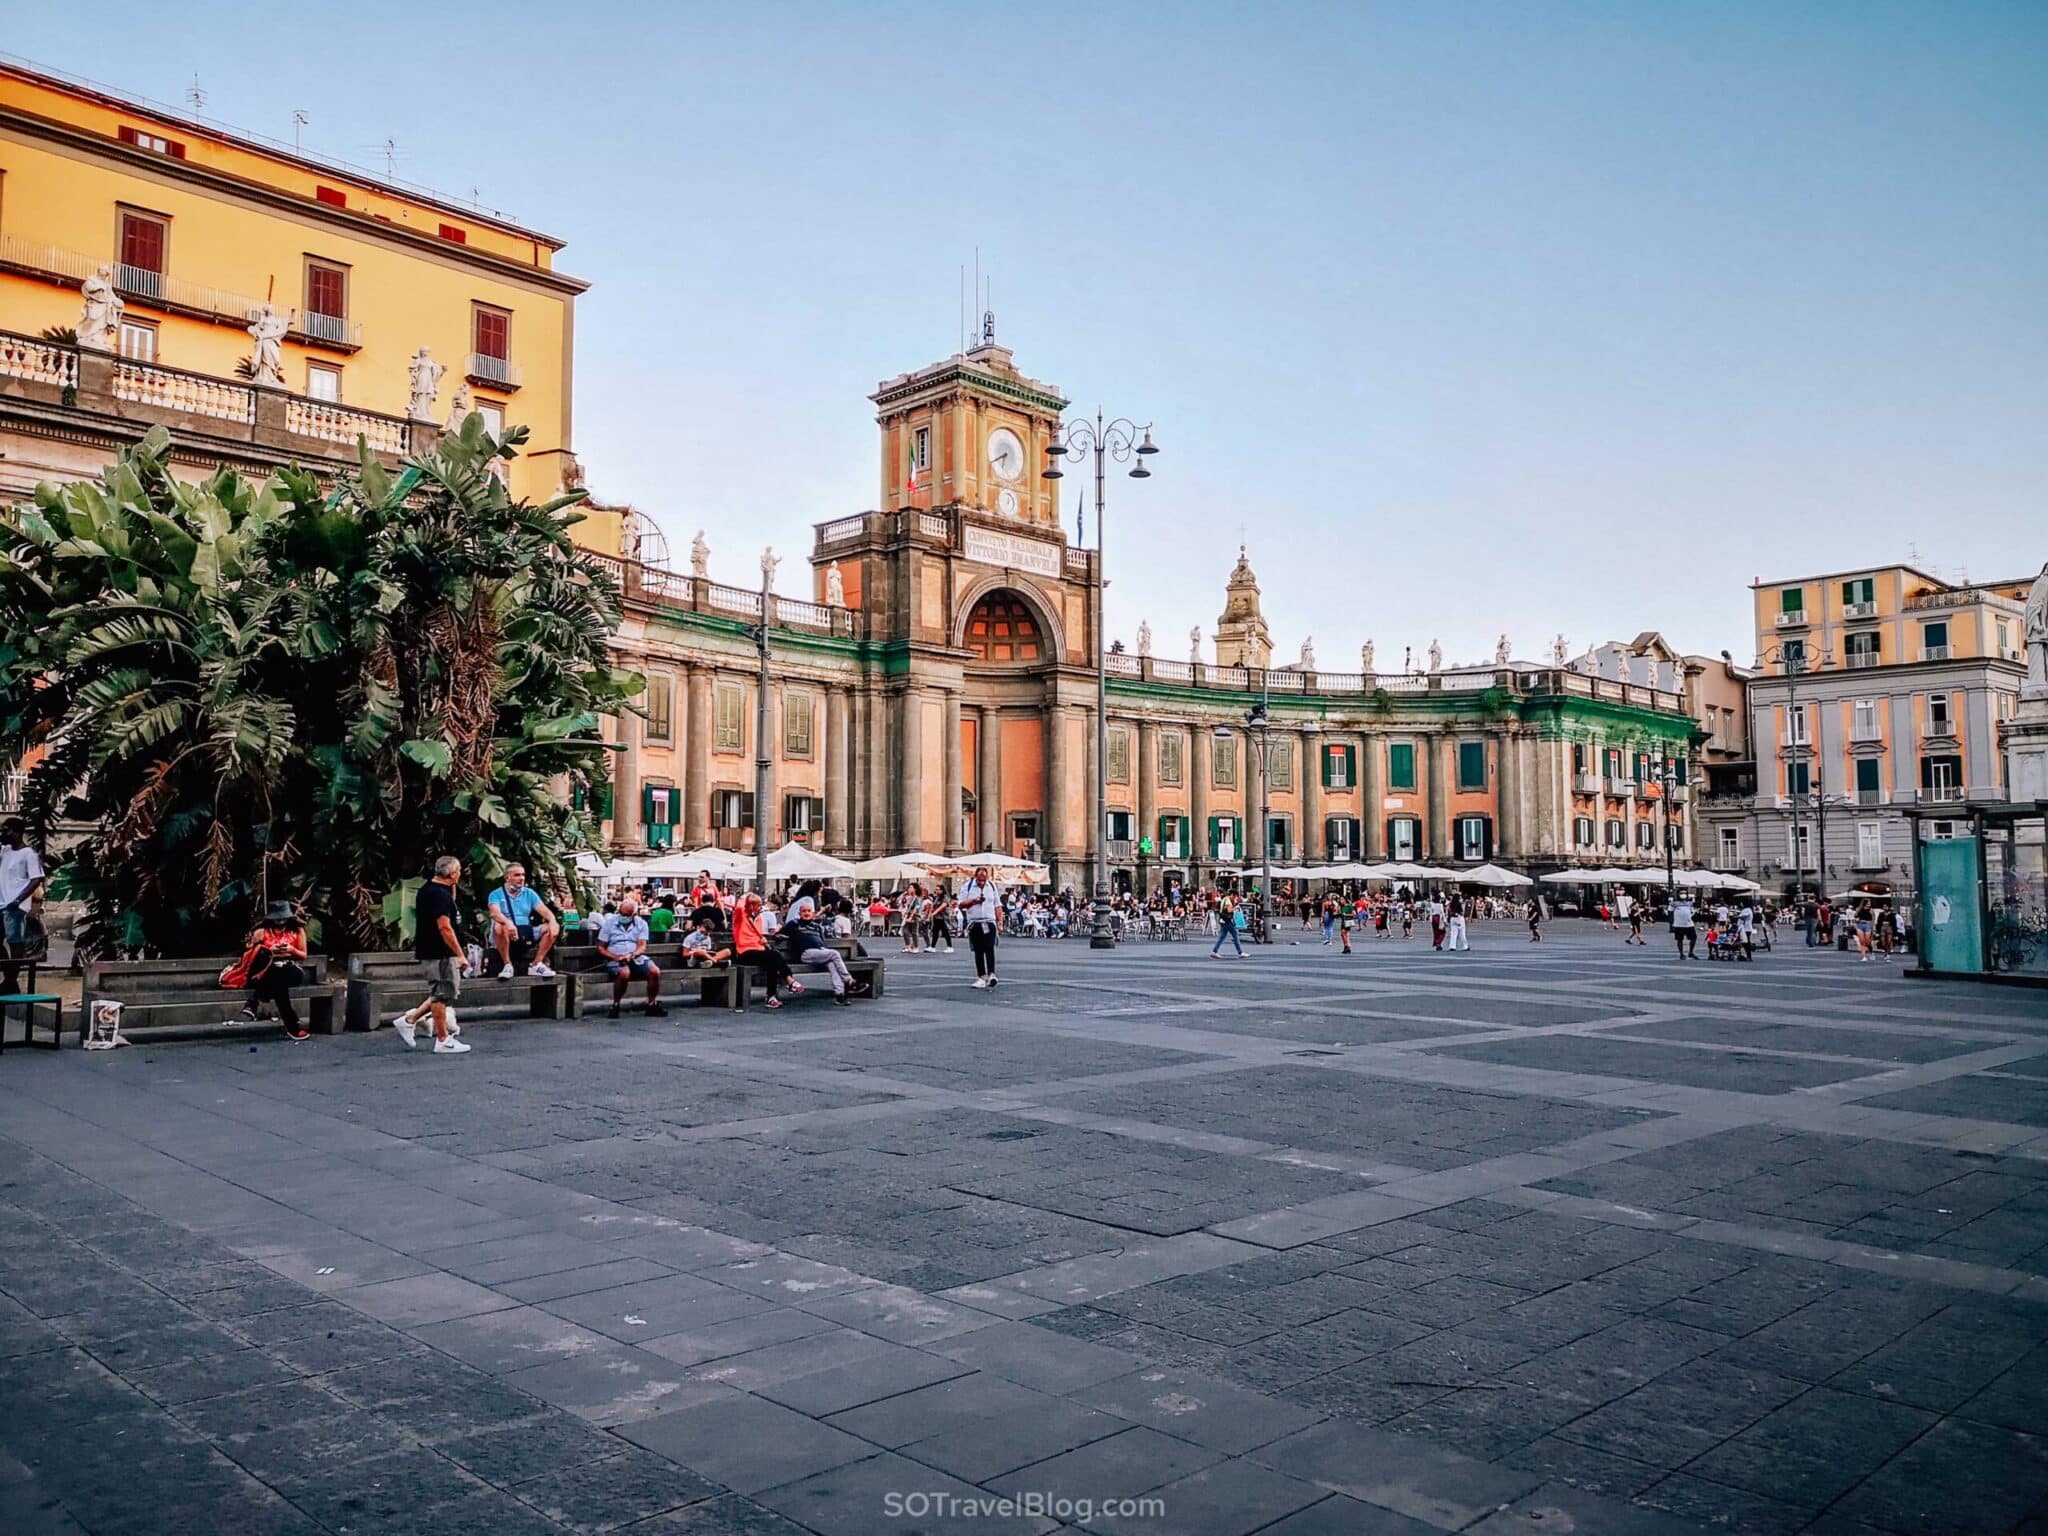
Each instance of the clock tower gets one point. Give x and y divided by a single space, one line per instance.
970 432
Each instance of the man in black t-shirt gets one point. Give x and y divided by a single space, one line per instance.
437 943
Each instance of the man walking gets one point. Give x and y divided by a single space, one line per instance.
437 943
21 886
1683 931
979 900
1454 923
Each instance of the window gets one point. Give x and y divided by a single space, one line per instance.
1731 848
155 143
1863 720
491 347
1337 772
1340 836
1861 649
1119 754
1582 831
1224 845
1798 778
799 718
658 814
1941 777
1938 721
1860 589
144 238
326 289
1277 829
1472 838
1471 765
1610 761
727 730
661 703
137 340
1404 837
1280 762
1173 837
1799 846
1870 845
920 450
732 810
2005 639
1940 831
1934 640
1869 781
1578 757
1792 600
1170 758
1223 762
1617 834
1793 655
1646 835
1120 829
1001 628
323 382
803 817
1795 720
1401 765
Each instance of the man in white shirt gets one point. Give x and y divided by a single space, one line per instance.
978 902
21 885
1682 929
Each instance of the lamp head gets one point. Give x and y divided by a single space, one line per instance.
1148 447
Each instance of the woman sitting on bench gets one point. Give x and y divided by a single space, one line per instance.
750 948
271 958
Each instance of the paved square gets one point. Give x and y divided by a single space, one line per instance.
1578 1238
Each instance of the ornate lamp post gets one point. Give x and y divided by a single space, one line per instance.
1258 721
763 812
1124 441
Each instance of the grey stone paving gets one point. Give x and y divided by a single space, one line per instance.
1572 1239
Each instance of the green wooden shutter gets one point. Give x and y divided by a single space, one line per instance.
1471 765
1215 834
1867 773
1401 765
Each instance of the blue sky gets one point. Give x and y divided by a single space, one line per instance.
1472 317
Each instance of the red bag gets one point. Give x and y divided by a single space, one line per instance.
236 976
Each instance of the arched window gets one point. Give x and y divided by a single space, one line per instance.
1002 628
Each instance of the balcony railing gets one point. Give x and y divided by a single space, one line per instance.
1790 619
1960 597
328 330
1621 789
1859 610
1856 661
42 362
499 371
1934 653
1941 794
175 389
335 423
1585 783
1870 797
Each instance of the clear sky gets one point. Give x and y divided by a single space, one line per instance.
1466 317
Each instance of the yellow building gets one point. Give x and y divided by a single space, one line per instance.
197 227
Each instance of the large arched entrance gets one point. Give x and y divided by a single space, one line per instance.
1002 627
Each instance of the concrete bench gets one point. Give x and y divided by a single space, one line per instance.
184 1000
715 984
863 966
382 983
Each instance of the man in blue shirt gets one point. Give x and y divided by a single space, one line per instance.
622 940
517 912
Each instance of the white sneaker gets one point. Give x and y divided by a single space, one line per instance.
408 1031
981 983
537 969
506 974
949 949
449 1047
454 1028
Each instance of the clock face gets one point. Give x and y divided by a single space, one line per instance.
1005 454
1006 503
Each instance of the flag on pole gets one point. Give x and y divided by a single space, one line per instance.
1081 520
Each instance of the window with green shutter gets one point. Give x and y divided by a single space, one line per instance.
1861 589
1471 765
727 732
1792 600
1868 775
1337 768
1280 762
1401 765
1169 757
1223 762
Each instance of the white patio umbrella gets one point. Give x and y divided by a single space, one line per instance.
1494 875
793 861
1006 868
686 864
891 866
590 862
1573 877
1406 871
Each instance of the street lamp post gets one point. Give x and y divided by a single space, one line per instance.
1123 441
762 762
1669 773
1258 722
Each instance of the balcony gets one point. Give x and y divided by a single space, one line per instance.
1859 610
496 372
1934 653
1870 797
333 331
1621 789
1857 661
1121 848
1585 784
1794 619
1941 794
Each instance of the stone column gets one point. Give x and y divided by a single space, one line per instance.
838 783
1195 764
1308 764
1052 832
988 784
1436 831
627 833
1507 786
949 799
1371 813
1145 782
905 763
697 759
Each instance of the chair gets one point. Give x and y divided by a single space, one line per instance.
28 1000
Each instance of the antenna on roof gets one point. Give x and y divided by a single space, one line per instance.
963 308
195 98
392 155
299 120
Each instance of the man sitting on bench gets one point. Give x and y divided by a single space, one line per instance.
700 944
518 913
622 940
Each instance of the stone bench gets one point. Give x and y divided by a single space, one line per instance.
184 1000
381 983
716 984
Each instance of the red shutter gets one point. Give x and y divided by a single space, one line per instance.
450 232
332 196
142 243
326 292
491 334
